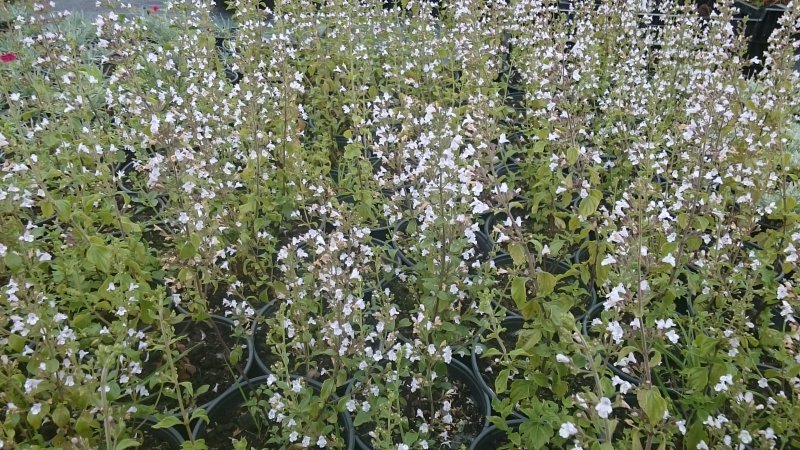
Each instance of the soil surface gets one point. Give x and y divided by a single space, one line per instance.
206 363
153 441
236 423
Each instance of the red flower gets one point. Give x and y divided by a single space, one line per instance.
155 8
8 57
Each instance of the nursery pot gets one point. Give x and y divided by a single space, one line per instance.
494 218
505 169
225 325
582 254
512 324
168 437
455 370
492 438
235 397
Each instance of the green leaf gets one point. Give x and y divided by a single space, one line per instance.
60 416
536 434
518 291
501 383
85 426
683 220
410 437
187 251
518 253
167 422
16 342
572 155
13 261
99 256
652 403
697 378
361 418
546 283
327 389
352 151
127 443
588 205
128 226
636 440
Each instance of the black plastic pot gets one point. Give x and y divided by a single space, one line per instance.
515 98
493 218
512 324
382 234
493 438
459 371
234 398
226 325
169 436
233 76
777 321
505 169
126 168
582 256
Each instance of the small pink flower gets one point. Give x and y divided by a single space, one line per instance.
154 8
8 57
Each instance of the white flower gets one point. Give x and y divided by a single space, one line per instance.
562 358
402 447
702 445
669 259
672 336
662 324
681 426
614 297
31 384
322 442
154 124
296 385
616 331
36 408
603 408
447 354
609 259
624 386
724 382
567 429
3 141
744 437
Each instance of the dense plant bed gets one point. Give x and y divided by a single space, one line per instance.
292 230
